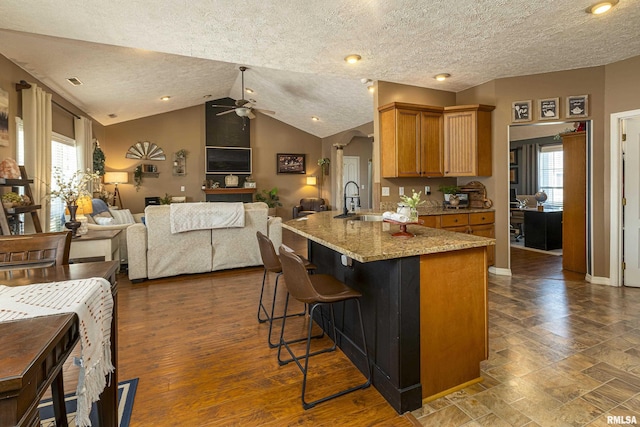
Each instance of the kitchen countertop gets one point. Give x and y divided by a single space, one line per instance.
441 211
367 241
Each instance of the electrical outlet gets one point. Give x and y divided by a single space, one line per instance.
385 191
427 190
182 188
401 191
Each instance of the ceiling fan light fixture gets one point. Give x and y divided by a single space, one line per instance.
442 77
352 59
243 111
601 7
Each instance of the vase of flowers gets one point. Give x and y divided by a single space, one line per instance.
70 189
412 204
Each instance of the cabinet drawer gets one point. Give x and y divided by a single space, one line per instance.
432 221
482 218
454 220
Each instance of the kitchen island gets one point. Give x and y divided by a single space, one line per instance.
424 302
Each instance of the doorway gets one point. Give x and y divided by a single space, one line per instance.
533 150
625 149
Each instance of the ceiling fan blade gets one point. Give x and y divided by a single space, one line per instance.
264 111
223 106
226 112
251 115
241 102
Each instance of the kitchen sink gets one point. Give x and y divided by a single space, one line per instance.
374 218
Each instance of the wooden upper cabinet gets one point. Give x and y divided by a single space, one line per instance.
467 140
411 140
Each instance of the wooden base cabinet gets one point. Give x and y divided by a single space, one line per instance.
478 223
453 320
411 140
467 140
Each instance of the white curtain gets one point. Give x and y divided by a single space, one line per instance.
84 143
36 117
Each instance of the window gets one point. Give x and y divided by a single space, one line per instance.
550 173
63 157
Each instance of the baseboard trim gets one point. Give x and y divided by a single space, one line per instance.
599 280
500 271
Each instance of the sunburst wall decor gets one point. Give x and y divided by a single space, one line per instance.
145 150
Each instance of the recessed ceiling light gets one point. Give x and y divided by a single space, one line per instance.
352 59
442 77
315 119
248 90
165 98
602 7
371 88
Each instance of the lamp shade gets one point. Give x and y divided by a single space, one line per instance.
116 177
85 207
312 180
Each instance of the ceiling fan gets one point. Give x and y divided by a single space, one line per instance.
243 107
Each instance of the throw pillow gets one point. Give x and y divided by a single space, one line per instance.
122 216
99 206
101 220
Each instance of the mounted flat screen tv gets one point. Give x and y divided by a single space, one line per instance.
226 160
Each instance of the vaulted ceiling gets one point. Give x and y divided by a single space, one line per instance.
130 53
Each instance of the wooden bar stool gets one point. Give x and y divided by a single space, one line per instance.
272 264
317 290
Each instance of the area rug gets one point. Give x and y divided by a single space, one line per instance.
126 394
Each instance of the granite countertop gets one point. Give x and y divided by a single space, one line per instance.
442 211
367 241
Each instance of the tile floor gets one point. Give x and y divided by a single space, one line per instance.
562 353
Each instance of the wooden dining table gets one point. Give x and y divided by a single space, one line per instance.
33 351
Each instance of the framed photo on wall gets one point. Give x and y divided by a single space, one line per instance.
521 111
291 163
549 109
577 106
4 118
513 157
513 175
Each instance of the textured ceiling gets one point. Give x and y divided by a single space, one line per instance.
129 53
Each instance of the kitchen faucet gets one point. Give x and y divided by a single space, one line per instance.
345 210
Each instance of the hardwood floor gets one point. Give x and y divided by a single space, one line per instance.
562 353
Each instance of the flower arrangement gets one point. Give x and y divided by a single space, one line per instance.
70 189
413 201
182 153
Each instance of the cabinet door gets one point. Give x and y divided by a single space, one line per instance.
460 155
431 162
486 230
408 142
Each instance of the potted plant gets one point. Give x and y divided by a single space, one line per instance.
271 198
450 193
11 199
137 177
324 165
412 202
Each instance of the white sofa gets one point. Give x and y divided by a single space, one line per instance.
155 252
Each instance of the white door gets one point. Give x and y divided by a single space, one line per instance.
351 172
631 211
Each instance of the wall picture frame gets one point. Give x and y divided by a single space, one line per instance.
4 118
513 175
521 111
291 163
549 109
577 106
513 157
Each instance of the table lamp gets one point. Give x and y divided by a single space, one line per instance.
85 207
116 178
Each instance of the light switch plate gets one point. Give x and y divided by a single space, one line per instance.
401 191
385 191
182 188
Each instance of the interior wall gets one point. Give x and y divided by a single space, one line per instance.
502 93
329 190
270 137
62 122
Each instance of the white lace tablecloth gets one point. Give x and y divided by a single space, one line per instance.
91 300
